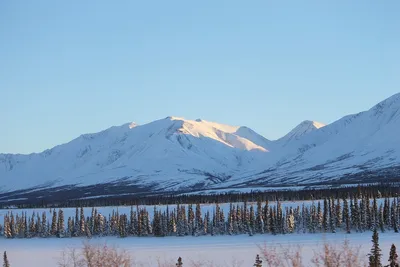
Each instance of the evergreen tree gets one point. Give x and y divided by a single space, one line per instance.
320 217
266 217
70 228
230 219
25 227
6 263
76 231
191 220
179 263
82 223
7 227
38 225
32 228
199 222
393 257
290 221
251 221
87 230
132 222
258 262
259 220
325 219
346 215
363 214
122 225
12 226
374 214
331 206
60 224
45 229
386 212
394 217
381 220
375 254
53 231
338 214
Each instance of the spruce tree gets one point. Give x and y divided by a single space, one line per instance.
45 230
179 263
375 254
260 220
331 205
7 227
82 223
320 217
393 257
132 222
326 212
258 262
381 220
346 215
12 226
70 228
87 230
53 231
76 225
266 217
199 222
394 217
251 221
338 214
374 214
6 263
60 224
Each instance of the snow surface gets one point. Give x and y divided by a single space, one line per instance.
175 153
220 250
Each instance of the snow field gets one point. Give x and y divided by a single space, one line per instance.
220 250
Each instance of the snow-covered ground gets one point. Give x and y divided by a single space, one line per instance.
221 250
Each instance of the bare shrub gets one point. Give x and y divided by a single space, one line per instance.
329 256
334 256
94 256
293 256
70 257
282 256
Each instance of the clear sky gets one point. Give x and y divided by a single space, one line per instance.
73 67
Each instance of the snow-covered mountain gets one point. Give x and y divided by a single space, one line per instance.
299 131
179 154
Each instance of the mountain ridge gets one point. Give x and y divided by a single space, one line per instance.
174 153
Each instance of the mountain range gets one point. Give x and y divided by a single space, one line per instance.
180 155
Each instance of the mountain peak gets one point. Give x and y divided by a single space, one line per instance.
308 123
133 125
392 102
300 130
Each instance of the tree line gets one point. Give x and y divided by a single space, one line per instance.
357 214
172 198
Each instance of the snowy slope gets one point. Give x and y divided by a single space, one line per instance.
367 141
299 131
156 152
175 153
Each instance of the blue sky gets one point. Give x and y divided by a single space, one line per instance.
72 67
